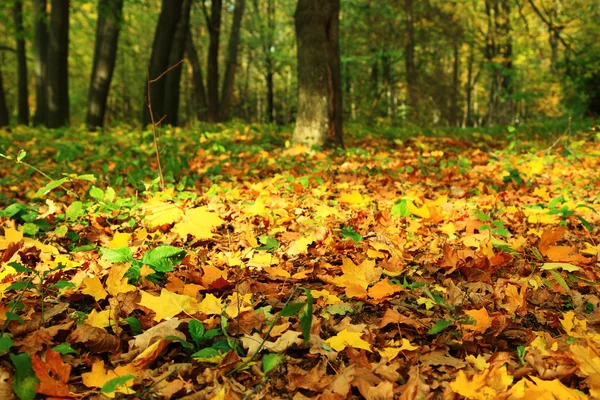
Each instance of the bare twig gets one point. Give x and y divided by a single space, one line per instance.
155 123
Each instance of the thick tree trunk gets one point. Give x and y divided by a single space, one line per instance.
3 109
174 76
319 120
197 79
409 50
231 63
105 56
58 69
159 60
40 46
214 30
22 64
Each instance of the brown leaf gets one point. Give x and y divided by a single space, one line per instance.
95 339
53 375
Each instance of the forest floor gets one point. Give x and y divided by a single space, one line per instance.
405 266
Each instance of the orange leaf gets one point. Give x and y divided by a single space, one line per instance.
53 375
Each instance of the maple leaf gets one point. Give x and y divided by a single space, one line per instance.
160 213
210 305
346 338
99 376
119 240
116 282
94 288
197 222
483 320
167 305
361 275
53 374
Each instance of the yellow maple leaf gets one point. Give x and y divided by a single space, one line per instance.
94 288
345 338
210 305
482 386
99 319
120 239
11 235
542 389
197 222
99 376
167 305
300 246
352 198
383 289
362 275
483 320
159 213
116 282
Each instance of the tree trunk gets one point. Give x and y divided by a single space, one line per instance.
231 63
214 30
3 109
197 79
174 76
411 69
22 65
58 69
270 94
454 118
105 56
319 120
159 60
40 46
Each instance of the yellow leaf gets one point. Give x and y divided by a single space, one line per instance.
116 283
554 389
99 376
94 288
260 260
300 246
277 272
119 240
389 353
99 319
11 235
210 305
407 346
345 339
478 362
383 289
167 305
483 320
329 297
362 275
422 212
159 213
351 198
589 362
197 222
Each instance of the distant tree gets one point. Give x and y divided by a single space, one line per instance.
173 78
213 22
105 55
40 48
159 60
231 62
58 71
23 98
199 92
3 109
265 23
320 112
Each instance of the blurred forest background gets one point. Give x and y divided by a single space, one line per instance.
430 63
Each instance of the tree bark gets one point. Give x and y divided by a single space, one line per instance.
40 46
197 78
214 30
454 117
58 69
174 76
3 109
105 55
159 60
23 97
231 63
319 120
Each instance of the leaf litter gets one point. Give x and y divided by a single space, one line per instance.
423 268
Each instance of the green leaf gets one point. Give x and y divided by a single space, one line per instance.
163 258
306 316
64 285
96 193
113 384
196 331
557 265
65 348
270 361
134 324
439 326
85 177
25 380
560 280
74 211
291 309
122 254
348 231
184 343
49 187
208 352
22 154
401 208
5 343
19 286
339 309
30 229
269 243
